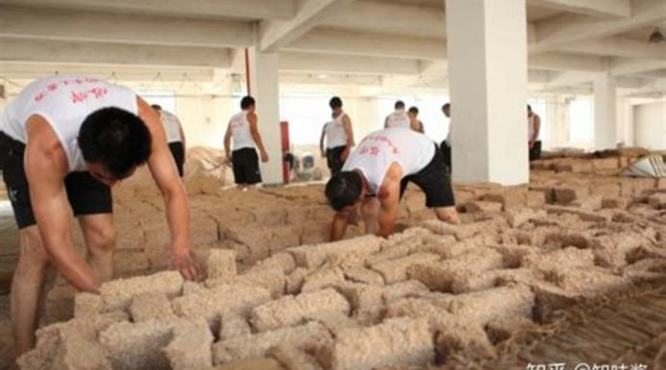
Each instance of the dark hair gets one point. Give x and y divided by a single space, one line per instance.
156 107
344 189
414 110
247 102
399 104
115 138
335 102
445 106
529 107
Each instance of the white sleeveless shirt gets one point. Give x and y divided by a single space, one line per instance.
171 125
240 131
530 126
413 151
398 118
64 102
335 132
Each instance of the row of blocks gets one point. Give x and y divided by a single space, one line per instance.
401 300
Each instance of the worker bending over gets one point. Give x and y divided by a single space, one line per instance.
63 142
376 175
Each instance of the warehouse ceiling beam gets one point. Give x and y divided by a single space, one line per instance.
273 34
121 28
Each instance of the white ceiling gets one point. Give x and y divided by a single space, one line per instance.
571 41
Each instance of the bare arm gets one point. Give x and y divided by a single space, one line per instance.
254 131
321 141
166 177
347 125
339 225
46 167
227 141
389 199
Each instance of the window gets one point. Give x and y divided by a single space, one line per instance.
581 121
435 124
306 113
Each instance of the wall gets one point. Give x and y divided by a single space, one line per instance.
650 125
205 119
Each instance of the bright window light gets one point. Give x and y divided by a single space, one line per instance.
165 99
435 124
581 121
306 113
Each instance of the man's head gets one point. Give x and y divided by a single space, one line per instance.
336 104
344 190
399 105
446 108
413 112
247 103
157 107
114 142
529 110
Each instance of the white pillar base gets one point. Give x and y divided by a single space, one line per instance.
487 51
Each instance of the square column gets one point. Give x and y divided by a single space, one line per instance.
487 52
264 83
605 112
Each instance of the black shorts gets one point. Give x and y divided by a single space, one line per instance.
178 152
446 154
245 164
535 152
434 180
334 159
86 194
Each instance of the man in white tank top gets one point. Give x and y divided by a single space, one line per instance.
338 135
398 118
64 141
533 129
376 176
174 135
245 133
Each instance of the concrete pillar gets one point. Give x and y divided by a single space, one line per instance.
487 52
625 123
605 112
264 81
622 132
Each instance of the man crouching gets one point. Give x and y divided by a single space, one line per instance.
376 175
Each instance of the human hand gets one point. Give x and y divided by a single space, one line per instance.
183 261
